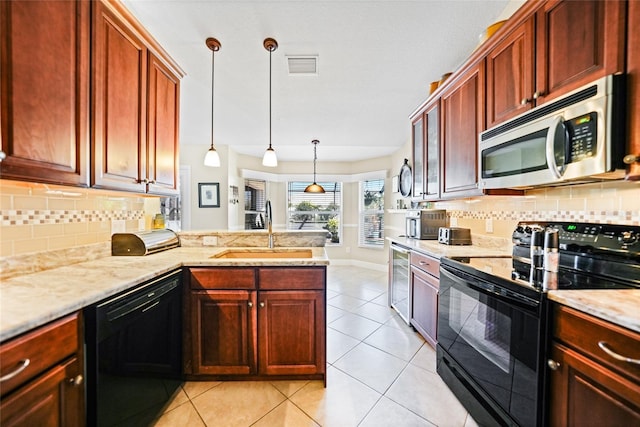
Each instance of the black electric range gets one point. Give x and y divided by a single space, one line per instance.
492 313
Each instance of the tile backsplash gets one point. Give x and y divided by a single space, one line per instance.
38 217
615 202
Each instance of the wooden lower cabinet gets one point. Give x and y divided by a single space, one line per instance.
291 332
244 322
42 377
425 284
224 332
588 387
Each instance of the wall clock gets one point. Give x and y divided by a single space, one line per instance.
406 179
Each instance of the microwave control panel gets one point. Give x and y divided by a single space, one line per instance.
582 133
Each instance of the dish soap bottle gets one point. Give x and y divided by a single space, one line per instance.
158 222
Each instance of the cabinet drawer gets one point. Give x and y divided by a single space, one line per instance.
37 351
223 278
426 263
584 333
292 278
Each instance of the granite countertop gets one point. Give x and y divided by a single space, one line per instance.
32 300
619 306
439 250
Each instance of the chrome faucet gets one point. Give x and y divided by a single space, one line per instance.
269 222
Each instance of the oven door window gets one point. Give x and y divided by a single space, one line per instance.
496 343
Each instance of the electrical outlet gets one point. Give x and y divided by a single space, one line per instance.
453 221
488 225
142 223
210 241
118 226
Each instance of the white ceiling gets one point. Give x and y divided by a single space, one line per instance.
376 59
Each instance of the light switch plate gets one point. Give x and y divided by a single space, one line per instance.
210 240
488 225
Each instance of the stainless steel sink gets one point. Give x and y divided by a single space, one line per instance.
264 253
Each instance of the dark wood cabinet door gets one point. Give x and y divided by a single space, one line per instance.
162 131
291 332
585 393
633 76
463 110
424 310
577 42
510 75
119 104
53 399
223 332
45 91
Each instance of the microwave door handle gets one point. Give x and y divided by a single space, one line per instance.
555 169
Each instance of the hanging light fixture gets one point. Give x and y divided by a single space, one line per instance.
270 158
212 158
314 188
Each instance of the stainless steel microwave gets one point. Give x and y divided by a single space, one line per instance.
576 138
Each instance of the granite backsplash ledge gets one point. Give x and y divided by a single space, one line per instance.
18 265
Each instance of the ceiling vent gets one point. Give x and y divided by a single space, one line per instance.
303 65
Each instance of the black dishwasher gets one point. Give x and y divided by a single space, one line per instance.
134 353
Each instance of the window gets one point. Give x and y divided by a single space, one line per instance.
254 204
315 211
372 213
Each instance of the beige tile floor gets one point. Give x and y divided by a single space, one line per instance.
380 373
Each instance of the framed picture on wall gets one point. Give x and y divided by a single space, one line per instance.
209 194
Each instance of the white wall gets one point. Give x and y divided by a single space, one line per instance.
231 216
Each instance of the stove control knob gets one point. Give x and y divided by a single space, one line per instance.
629 237
553 365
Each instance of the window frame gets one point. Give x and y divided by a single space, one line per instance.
378 243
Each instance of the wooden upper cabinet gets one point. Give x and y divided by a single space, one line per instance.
162 131
633 80
119 104
577 42
510 75
44 52
432 151
463 119
417 187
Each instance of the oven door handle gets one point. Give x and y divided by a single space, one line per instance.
489 289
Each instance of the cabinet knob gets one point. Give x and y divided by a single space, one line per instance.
2 156
250 304
553 365
22 365
538 94
525 101
77 380
631 158
262 305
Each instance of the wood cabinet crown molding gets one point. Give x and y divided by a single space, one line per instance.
118 8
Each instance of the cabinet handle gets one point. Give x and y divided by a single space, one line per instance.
538 94
22 366
603 347
2 156
151 181
525 101
250 304
77 380
553 365
423 263
631 159
262 304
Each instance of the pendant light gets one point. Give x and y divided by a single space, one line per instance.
314 188
212 158
270 158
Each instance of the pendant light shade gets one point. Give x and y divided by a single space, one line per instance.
314 188
270 158
212 158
